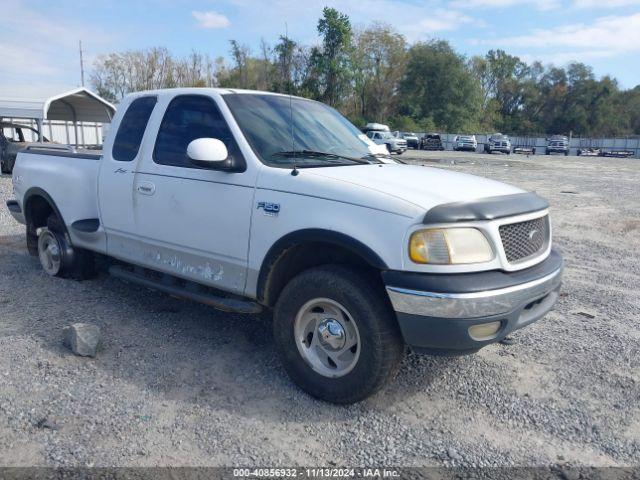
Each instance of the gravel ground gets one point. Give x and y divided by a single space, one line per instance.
181 384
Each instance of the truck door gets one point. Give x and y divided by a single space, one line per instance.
193 222
117 172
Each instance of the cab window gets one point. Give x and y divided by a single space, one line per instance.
132 127
189 117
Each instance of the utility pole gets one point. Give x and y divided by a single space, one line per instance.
81 64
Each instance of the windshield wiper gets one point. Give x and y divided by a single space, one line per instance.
318 154
376 156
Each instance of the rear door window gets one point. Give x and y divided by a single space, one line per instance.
132 127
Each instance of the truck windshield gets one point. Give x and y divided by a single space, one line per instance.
321 136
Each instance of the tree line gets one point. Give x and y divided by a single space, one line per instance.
375 75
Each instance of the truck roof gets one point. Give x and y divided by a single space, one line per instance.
200 90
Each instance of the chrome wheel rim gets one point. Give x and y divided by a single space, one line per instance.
327 337
49 252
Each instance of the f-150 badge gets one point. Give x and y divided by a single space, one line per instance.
269 209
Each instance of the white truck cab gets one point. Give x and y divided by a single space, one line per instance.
249 200
394 144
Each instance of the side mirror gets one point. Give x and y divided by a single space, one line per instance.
208 153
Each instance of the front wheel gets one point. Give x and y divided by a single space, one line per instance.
337 334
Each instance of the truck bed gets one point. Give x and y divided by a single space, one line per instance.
68 176
61 151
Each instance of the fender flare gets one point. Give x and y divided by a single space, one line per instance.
38 192
311 235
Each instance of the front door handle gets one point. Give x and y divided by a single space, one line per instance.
146 188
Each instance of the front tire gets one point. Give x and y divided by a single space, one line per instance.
336 334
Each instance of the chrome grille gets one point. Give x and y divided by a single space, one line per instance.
524 240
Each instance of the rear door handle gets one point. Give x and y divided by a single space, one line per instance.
146 188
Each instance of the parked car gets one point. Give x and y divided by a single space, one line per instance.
393 144
202 194
410 137
557 144
376 127
431 141
465 142
617 153
524 149
12 140
589 151
498 143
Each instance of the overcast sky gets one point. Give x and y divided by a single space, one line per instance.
39 38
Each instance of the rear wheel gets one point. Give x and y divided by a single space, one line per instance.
50 252
336 334
57 257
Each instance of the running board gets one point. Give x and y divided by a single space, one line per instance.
173 288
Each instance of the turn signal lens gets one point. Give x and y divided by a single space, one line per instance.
484 331
443 246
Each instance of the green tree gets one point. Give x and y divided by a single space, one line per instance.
438 87
502 79
332 63
284 62
379 60
629 106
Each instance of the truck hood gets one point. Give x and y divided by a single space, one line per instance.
423 186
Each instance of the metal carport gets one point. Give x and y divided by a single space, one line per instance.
78 105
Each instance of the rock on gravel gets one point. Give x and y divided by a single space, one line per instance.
82 338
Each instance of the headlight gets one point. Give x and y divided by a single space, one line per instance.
449 246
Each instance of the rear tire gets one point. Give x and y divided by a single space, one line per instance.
57 256
336 334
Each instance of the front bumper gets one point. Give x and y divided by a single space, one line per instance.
436 311
468 147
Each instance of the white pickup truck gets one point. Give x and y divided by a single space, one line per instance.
249 200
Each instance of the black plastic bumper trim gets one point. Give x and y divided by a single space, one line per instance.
471 282
89 225
14 206
489 208
450 336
